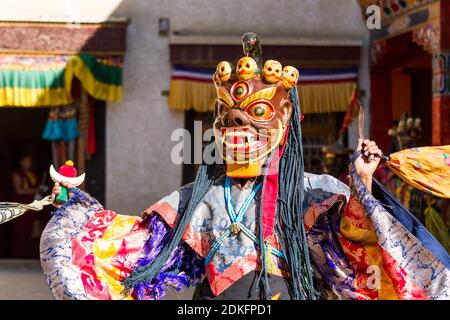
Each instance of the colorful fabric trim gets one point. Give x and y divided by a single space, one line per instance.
331 75
62 124
366 252
65 130
411 223
30 81
362 248
432 211
320 90
424 168
86 252
183 269
307 75
330 262
359 243
64 278
419 262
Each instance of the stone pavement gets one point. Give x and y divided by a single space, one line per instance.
22 280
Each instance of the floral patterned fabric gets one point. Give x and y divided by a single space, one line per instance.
360 248
364 251
87 251
425 168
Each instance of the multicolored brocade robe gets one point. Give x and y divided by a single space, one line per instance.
86 251
359 249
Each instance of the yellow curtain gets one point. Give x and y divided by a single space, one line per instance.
314 98
424 168
187 95
36 81
325 98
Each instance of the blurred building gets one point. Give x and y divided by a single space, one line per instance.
135 70
409 68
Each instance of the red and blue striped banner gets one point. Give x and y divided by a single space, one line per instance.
307 75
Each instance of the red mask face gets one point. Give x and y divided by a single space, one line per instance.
252 111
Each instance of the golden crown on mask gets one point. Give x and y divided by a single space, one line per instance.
247 69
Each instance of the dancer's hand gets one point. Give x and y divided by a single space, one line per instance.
57 190
363 165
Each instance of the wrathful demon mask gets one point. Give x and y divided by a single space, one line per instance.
257 111
253 109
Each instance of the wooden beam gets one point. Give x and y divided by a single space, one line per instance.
212 54
62 38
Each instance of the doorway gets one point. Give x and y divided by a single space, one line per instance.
401 81
20 135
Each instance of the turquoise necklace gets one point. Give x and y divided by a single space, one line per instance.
236 221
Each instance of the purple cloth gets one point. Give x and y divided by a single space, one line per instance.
183 269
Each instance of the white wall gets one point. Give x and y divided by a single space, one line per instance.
57 10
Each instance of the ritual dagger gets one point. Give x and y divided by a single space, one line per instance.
362 136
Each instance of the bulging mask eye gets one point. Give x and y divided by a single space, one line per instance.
240 90
260 110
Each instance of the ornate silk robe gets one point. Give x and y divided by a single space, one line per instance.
362 245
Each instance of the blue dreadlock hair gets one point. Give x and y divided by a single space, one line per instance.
289 225
203 182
